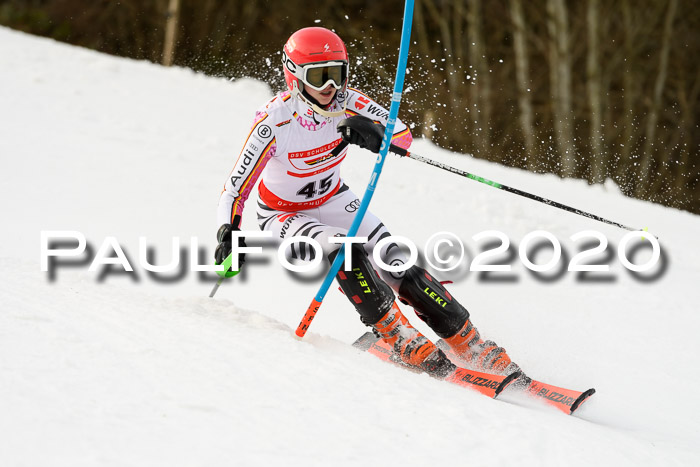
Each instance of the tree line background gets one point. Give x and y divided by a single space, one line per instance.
580 88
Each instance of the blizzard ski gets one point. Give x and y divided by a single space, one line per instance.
485 383
566 400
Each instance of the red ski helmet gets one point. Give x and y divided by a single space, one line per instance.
315 57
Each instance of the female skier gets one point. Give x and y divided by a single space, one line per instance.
291 146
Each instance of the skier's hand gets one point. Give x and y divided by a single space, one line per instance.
223 249
362 131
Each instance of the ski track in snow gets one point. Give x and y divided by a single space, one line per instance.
131 371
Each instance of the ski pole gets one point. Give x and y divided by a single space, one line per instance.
224 273
216 287
369 192
549 202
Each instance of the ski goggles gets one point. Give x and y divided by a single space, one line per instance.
318 76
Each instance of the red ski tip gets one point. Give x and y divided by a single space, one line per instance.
581 399
566 400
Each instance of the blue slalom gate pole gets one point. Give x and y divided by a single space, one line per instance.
369 192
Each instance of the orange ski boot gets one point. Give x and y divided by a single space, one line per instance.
411 346
483 355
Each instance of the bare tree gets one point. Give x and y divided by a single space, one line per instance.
171 23
593 84
428 120
522 74
442 19
630 92
481 85
688 102
560 84
652 119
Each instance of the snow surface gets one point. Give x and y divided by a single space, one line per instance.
126 369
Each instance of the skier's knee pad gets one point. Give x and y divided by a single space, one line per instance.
370 295
432 302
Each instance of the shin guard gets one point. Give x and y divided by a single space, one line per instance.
432 302
370 295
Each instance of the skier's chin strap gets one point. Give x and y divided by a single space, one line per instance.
315 107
